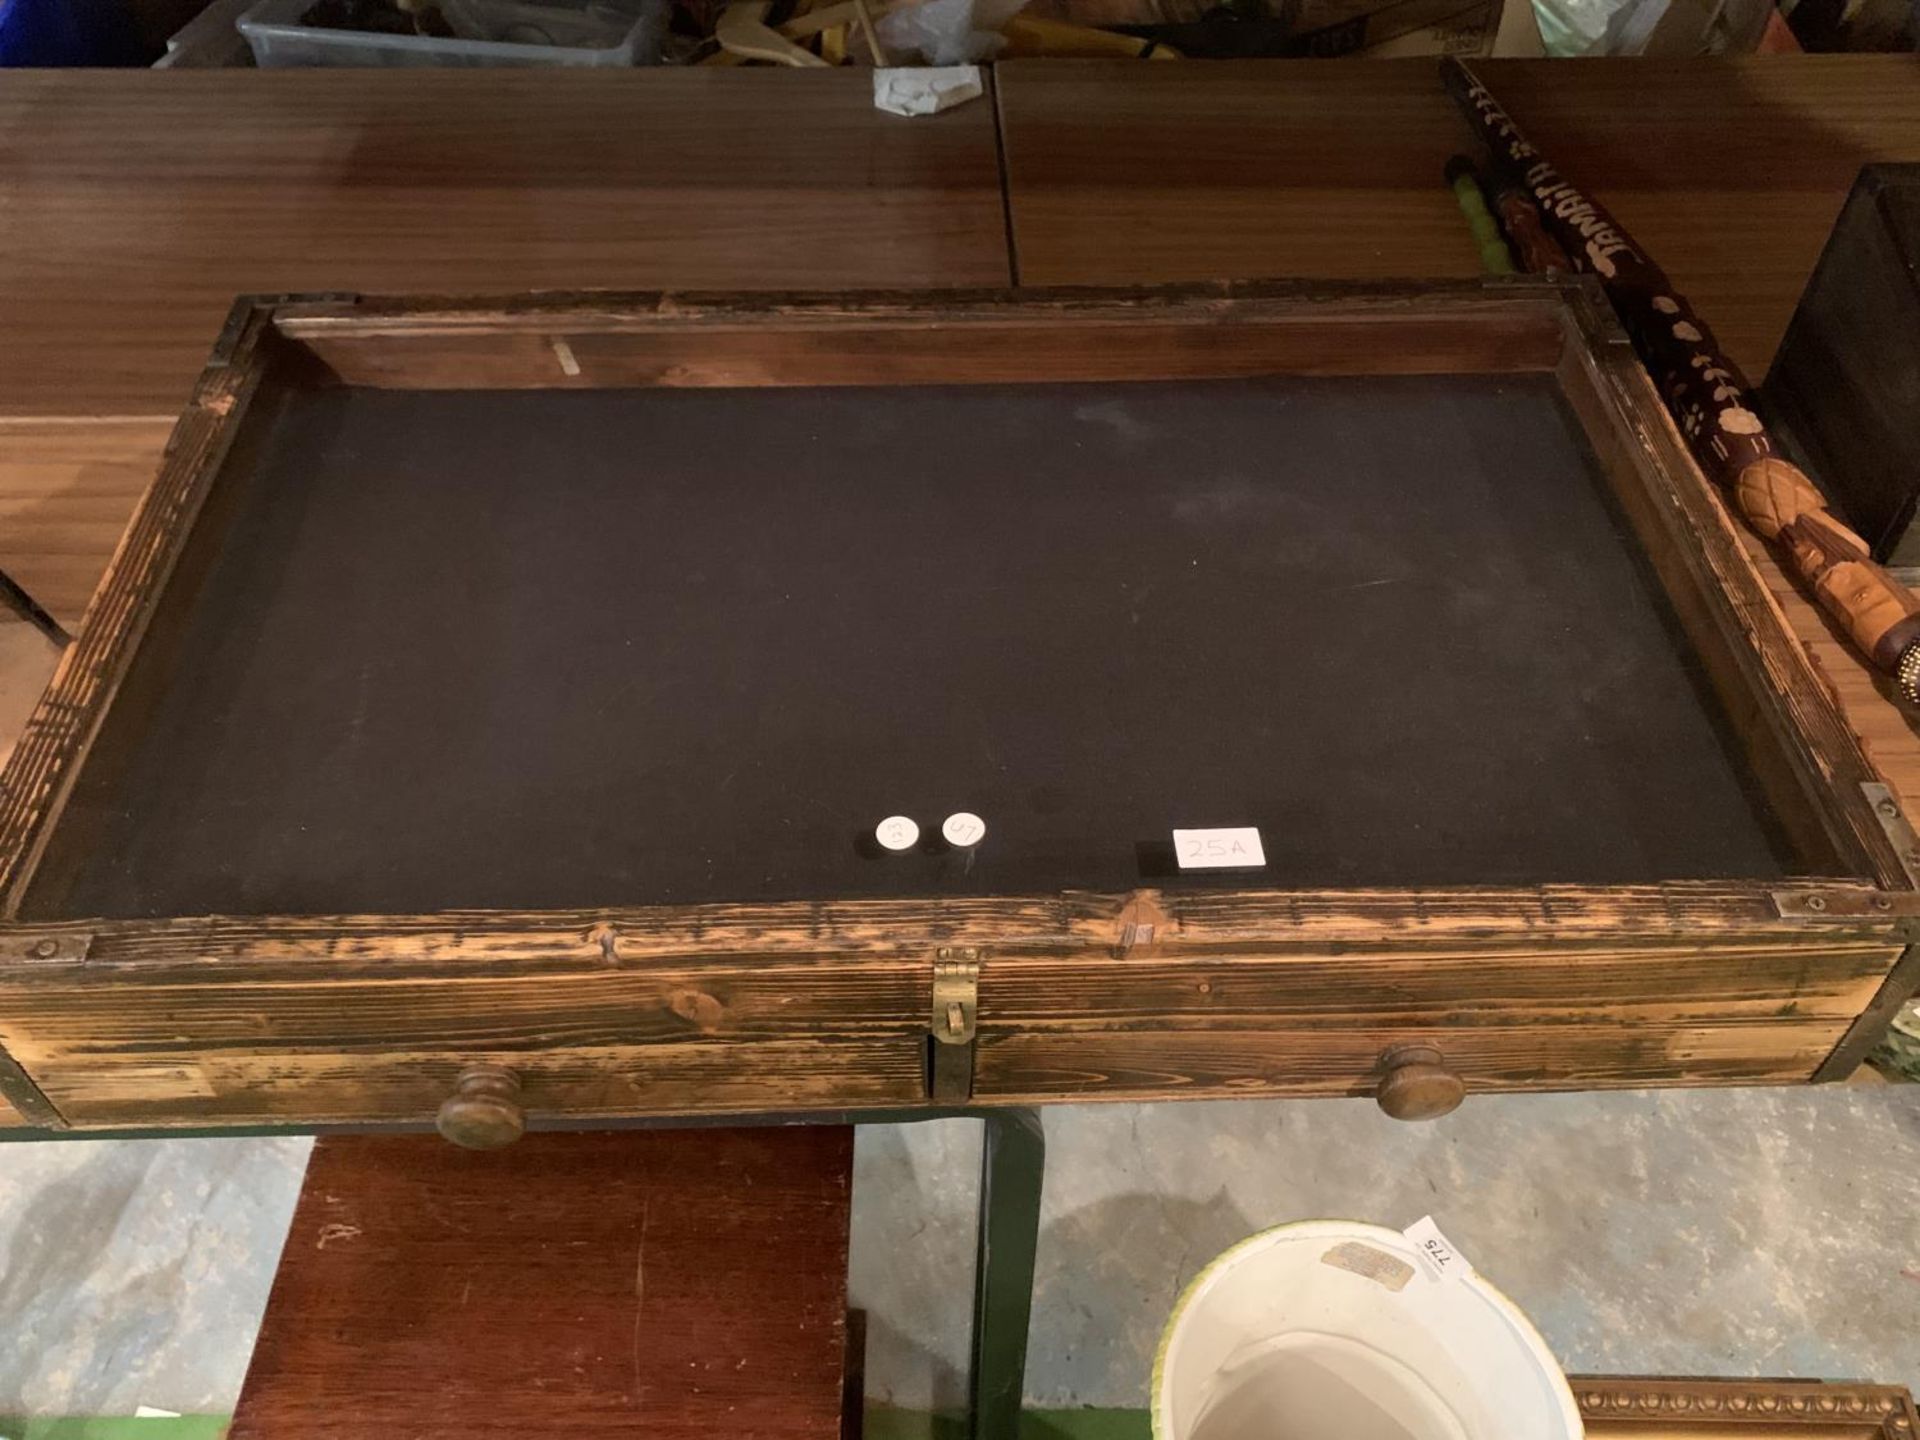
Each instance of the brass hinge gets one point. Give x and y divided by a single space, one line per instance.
1840 902
67 947
952 1024
1893 824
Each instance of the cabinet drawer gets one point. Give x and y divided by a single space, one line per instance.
239 1042
223 1086
1306 1024
1582 1054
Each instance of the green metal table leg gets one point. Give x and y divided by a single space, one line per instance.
1013 1164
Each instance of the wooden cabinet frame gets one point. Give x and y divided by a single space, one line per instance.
1154 993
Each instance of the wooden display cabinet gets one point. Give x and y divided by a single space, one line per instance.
487 714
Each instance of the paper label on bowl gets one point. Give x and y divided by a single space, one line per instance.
1233 848
1437 1253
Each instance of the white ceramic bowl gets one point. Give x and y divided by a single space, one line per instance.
1336 1330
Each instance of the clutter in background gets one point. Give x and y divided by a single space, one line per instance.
1854 24
1313 28
883 33
1899 1053
926 90
949 32
1677 28
210 41
454 32
889 32
68 32
814 33
218 33
1683 29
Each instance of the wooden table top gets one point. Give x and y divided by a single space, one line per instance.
68 485
139 203
662 1283
1731 173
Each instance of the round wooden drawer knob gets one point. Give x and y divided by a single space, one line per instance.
1418 1085
483 1113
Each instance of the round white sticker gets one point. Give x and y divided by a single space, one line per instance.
964 829
897 832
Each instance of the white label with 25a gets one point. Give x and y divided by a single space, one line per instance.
1235 848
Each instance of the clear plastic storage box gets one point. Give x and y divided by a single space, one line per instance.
487 32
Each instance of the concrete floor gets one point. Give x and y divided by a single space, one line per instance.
1709 1232
134 1272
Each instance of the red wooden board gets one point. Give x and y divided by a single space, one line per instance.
642 1283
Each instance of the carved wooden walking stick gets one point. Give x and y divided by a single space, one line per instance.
1706 394
1539 253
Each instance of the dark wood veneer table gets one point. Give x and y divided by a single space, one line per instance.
1730 172
139 204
